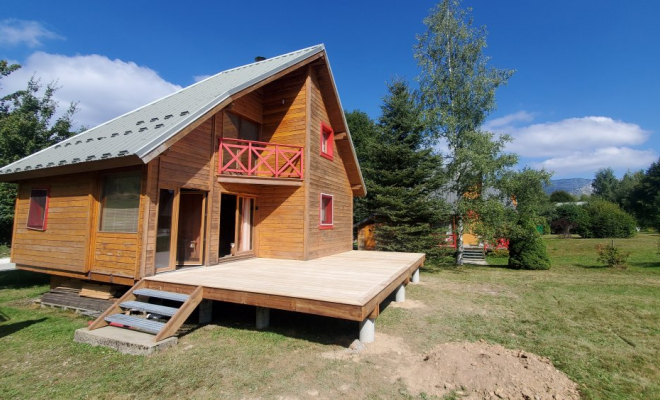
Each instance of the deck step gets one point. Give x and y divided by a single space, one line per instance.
140 324
149 308
161 294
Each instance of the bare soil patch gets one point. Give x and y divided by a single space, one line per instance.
466 370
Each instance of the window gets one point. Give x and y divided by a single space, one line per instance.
244 129
38 209
327 141
120 202
326 211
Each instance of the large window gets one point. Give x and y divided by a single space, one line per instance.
326 211
37 214
120 202
327 141
244 129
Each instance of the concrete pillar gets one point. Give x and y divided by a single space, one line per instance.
263 317
205 311
415 277
368 330
400 294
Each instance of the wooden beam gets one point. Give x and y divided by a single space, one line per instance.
356 187
180 317
250 180
341 136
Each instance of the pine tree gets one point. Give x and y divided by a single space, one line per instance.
402 176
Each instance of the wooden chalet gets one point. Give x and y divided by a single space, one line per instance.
254 165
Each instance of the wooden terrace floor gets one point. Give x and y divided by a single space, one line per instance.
348 285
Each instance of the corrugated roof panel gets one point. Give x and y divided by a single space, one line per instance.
139 132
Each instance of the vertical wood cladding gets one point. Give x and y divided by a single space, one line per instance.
64 244
329 177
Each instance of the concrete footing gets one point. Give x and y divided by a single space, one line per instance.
263 317
368 330
415 276
205 311
400 294
123 340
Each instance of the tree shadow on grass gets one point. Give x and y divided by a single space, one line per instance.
8 329
17 279
645 264
592 266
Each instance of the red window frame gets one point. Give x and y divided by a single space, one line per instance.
328 137
37 215
329 211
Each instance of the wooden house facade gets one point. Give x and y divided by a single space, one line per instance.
254 162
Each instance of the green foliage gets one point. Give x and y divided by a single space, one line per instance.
364 133
458 93
645 198
605 184
526 248
499 253
26 126
561 196
568 217
606 220
612 256
401 173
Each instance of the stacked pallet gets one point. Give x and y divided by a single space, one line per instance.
82 297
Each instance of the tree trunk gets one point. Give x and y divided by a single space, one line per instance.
459 240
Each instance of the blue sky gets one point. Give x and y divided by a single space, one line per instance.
586 94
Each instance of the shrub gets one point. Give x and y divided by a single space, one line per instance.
607 220
526 248
612 256
499 253
568 217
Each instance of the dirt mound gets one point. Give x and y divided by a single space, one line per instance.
485 371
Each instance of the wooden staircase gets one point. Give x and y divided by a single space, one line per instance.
474 255
134 311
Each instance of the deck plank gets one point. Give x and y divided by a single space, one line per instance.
351 278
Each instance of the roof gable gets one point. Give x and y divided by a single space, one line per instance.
137 135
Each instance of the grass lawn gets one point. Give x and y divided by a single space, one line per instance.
600 326
4 251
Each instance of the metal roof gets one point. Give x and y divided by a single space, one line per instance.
140 132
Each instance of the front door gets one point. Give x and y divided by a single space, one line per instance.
190 237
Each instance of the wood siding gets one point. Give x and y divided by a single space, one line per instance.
187 163
329 177
64 244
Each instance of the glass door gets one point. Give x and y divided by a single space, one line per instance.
164 256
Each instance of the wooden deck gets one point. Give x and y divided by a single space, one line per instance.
348 285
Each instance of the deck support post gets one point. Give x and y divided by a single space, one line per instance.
400 294
263 317
415 276
205 311
368 330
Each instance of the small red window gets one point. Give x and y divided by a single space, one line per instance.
327 141
37 214
326 211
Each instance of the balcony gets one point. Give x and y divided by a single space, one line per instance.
249 161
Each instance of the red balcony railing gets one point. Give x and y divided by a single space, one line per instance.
252 158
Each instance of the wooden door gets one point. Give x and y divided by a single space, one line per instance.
190 235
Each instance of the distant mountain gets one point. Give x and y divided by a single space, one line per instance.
574 186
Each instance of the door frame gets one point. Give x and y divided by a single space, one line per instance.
174 237
255 226
202 227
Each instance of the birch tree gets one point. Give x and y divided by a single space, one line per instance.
458 93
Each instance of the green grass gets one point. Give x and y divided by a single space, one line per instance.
600 326
4 251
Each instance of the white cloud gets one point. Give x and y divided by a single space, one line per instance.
14 32
506 121
103 88
617 158
564 137
576 146
198 78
